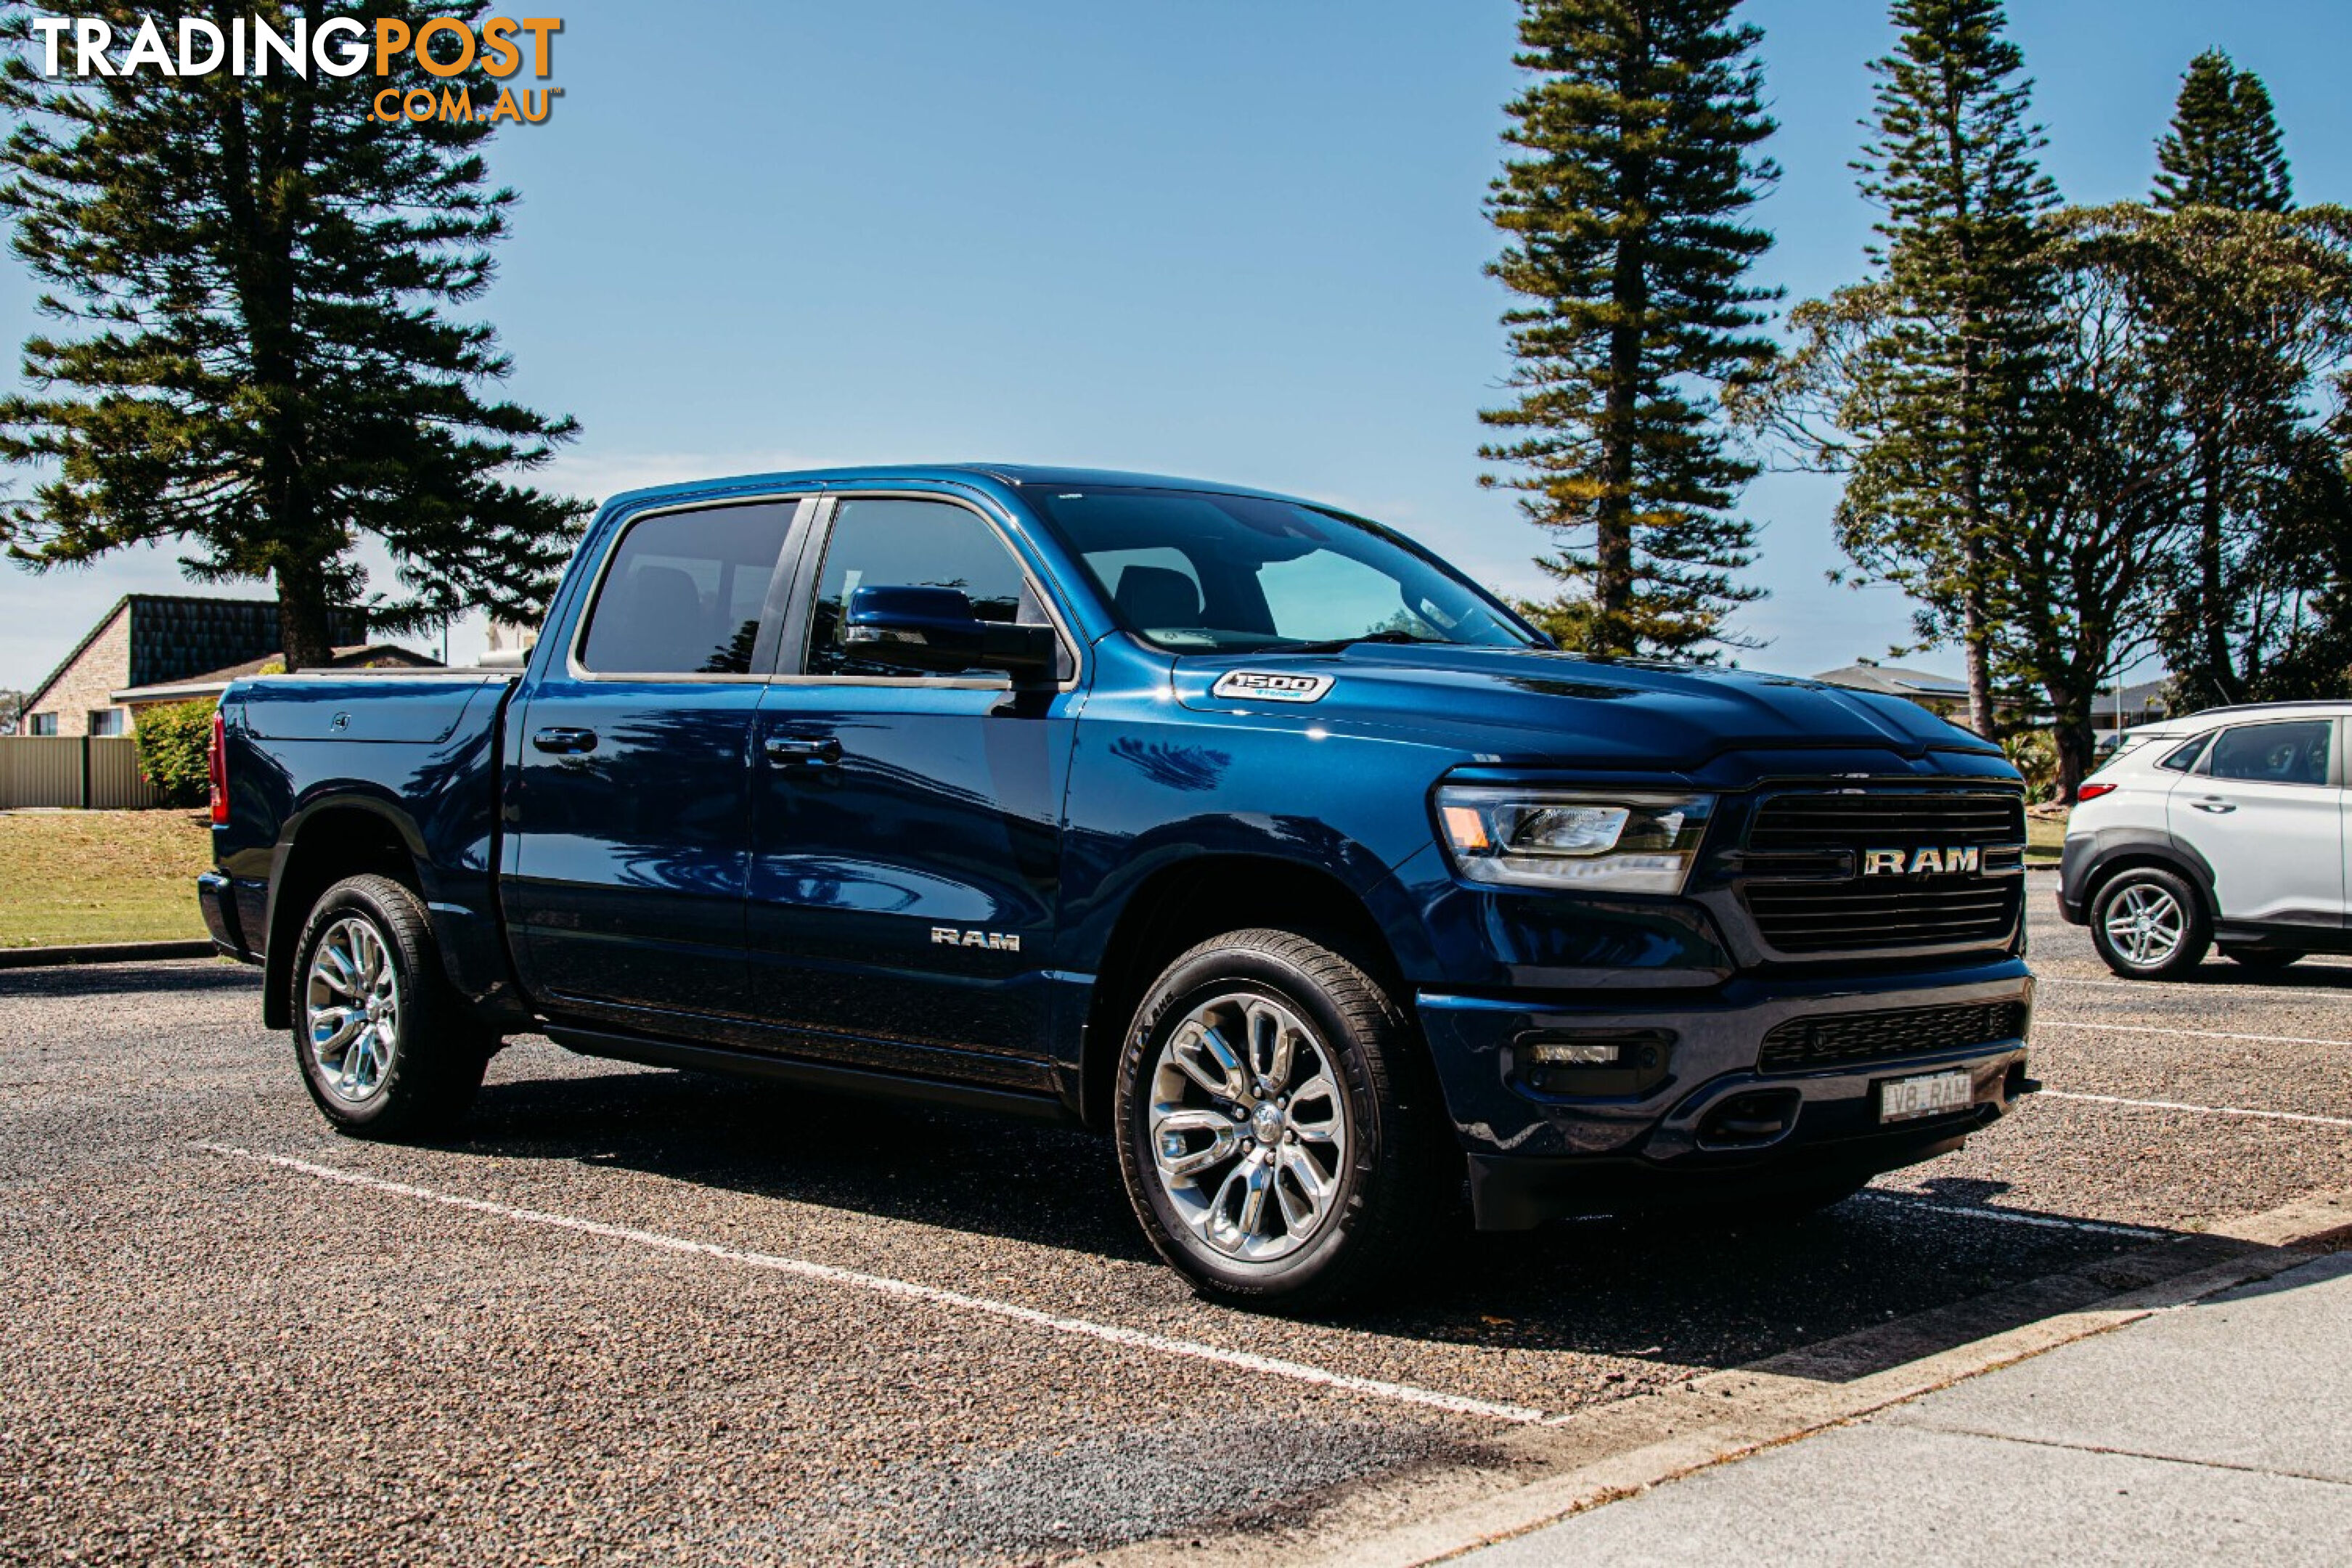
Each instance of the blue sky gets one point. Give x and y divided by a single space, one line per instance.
1234 238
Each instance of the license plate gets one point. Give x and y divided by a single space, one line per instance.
1930 1094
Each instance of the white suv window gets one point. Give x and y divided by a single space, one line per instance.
2287 753
2183 758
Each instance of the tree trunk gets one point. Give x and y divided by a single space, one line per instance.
1612 553
1976 631
2073 743
1612 518
302 619
2220 676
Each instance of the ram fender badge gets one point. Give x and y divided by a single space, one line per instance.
993 941
1270 686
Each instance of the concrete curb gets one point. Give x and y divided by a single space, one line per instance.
102 952
1534 1479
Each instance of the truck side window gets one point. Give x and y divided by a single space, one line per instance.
2273 753
684 592
887 544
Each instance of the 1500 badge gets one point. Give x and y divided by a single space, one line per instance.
1269 686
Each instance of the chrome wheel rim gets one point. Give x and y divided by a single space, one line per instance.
1248 1127
2146 925
351 1002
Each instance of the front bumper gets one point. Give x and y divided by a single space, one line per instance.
1536 1152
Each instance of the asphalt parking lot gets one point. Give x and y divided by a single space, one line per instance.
640 1316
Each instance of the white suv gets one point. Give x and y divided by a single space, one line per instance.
2226 828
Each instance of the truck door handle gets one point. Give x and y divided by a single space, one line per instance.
2213 803
804 752
565 743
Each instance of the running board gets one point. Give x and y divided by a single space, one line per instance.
825 1076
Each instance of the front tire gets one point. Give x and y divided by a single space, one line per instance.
1278 1128
386 1048
2148 923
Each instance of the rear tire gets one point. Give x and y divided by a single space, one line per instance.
386 1048
1278 1127
2265 960
2148 923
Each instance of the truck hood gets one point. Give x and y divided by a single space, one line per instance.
1546 708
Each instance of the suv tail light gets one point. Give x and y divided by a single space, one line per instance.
216 763
2091 792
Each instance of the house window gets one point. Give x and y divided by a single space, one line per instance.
43 724
105 720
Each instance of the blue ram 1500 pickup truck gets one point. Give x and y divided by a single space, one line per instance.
1239 827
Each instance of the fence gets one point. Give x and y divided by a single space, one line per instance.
99 774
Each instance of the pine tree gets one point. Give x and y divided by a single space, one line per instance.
2224 148
1953 163
1624 217
2223 151
254 277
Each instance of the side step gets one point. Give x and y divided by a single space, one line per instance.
825 1076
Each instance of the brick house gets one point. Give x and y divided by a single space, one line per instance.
157 639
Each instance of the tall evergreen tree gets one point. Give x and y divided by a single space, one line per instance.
2223 149
2256 313
254 277
1623 209
1952 162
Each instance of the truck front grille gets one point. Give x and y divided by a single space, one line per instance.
1861 819
1806 889
1804 1044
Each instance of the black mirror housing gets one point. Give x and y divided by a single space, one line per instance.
933 630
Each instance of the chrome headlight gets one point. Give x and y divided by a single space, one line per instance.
1616 841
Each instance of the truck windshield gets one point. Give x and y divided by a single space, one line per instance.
1197 572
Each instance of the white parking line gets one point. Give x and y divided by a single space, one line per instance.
2042 1021
1136 1339
2010 1216
2200 1110
2216 993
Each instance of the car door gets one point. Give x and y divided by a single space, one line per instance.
2264 806
907 827
632 814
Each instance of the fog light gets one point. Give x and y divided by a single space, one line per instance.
1586 1063
1574 1053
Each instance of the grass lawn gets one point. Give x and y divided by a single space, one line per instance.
100 876
2044 837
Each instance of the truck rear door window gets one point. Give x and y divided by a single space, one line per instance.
685 592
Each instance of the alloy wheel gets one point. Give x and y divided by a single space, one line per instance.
2146 925
1249 1127
351 998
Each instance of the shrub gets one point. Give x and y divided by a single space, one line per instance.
2033 753
174 745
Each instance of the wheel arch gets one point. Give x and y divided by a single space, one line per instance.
2131 851
339 837
1187 900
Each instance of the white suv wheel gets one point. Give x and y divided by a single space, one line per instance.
2148 923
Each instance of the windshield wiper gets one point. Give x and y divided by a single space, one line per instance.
1333 644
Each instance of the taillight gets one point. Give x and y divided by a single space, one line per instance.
216 760
2091 792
